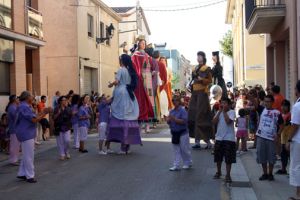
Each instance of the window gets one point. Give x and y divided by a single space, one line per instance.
107 36
102 31
90 26
4 78
6 13
28 3
6 50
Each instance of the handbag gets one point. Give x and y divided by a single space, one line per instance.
176 136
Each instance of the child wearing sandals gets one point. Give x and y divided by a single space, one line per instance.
225 145
242 131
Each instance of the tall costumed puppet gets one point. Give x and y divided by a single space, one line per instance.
144 91
217 73
199 114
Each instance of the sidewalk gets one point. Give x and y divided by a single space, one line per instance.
276 190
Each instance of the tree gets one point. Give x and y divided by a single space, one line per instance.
226 44
175 80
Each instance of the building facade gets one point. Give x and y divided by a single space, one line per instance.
179 67
22 42
185 72
279 20
97 61
133 24
248 50
47 46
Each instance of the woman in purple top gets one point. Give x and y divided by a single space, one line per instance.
14 146
74 107
177 121
62 123
83 121
25 128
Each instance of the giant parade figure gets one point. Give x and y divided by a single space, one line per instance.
144 91
217 73
200 115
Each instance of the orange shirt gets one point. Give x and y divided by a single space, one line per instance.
278 99
41 106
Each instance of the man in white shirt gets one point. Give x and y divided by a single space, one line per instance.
294 143
225 145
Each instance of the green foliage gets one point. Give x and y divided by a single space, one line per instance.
175 80
226 44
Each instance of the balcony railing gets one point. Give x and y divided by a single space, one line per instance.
263 15
34 23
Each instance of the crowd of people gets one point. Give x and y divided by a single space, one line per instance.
142 95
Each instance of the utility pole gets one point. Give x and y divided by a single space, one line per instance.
138 6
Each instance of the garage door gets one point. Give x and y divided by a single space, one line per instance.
87 80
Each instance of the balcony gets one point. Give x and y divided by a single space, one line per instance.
34 21
262 16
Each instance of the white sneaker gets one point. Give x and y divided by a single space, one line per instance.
68 156
186 166
121 152
109 151
174 168
102 153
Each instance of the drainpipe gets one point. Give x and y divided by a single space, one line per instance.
100 65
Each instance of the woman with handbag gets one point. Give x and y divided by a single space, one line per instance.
62 123
177 121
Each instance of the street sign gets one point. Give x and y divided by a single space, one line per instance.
229 84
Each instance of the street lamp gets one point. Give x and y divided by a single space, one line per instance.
85 59
110 33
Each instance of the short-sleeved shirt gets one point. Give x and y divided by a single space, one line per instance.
25 128
104 110
278 99
41 106
226 131
84 112
285 134
179 113
63 120
268 125
11 116
296 120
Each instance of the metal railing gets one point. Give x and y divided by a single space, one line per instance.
34 23
251 5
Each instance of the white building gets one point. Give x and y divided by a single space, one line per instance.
133 24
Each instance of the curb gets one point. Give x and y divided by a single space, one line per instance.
241 189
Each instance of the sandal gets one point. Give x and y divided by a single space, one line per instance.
217 175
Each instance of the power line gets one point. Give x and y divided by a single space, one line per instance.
183 9
181 5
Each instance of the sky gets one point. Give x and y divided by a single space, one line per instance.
187 31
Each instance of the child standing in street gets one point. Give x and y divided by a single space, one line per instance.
285 133
242 131
225 145
177 121
103 118
266 139
84 117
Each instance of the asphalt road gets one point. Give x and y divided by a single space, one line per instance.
141 175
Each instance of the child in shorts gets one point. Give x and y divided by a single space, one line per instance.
266 139
225 145
103 118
